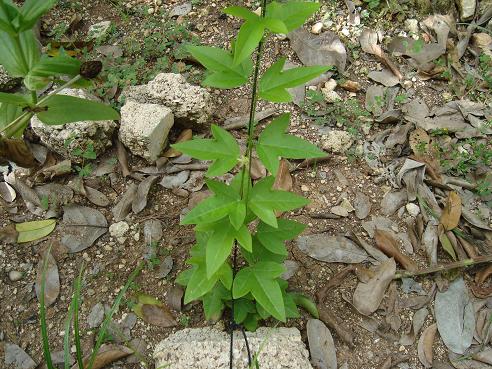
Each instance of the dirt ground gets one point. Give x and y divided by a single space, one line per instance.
109 262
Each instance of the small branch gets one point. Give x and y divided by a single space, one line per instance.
444 267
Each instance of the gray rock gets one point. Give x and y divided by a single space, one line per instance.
205 348
338 141
467 8
6 81
144 128
99 30
96 316
17 357
65 138
291 268
321 345
15 275
165 267
180 10
191 105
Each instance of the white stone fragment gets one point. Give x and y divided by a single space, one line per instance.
144 128
205 348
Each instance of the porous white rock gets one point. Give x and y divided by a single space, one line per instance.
205 348
119 229
338 141
144 128
99 30
65 138
191 105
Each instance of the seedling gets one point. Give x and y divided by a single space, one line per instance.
240 216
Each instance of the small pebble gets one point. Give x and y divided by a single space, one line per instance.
15 275
151 11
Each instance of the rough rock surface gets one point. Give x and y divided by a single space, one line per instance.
338 141
191 105
205 348
144 128
6 81
65 138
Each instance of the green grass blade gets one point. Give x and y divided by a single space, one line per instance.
66 337
76 305
109 316
42 315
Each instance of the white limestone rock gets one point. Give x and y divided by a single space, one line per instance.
191 105
338 141
65 138
6 81
205 348
144 128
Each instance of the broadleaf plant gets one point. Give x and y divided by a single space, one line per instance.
21 57
242 215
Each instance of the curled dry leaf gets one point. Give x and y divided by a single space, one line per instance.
140 201
388 244
106 355
185 135
96 197
52 279
175 181
425 346
7 192
82 226
369 43
258 170
122 208
283 180
174 298
26 192
451 214
18 152
321 345
368 296
474 219
56 170
122 158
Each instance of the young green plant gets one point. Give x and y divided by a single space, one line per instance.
21 57
242 215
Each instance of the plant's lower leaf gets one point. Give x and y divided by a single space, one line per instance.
31 231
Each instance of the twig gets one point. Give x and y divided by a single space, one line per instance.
338 326
335 281
312 161
440 268
181 167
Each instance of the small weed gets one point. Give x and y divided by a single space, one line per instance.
401 98
184 320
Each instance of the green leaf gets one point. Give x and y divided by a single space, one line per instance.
274 238
238 215
15 99
61 109
273 143
8 12
184 277
223 149
263 201
220 63
275 25
291 310
251 322
293 14
219 246
32 10
31 231
244 238
199 284
225 275
241 12
275 82
306 303
19 57
446 245
248 39
48 67
213 303
243 307
260 280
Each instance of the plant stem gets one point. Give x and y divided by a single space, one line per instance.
444 267
252 111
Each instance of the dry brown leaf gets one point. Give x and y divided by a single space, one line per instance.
419 141
106 355
258 170
122 208
50 172
185 135
283 180
483 274
387 244
52 280
122 158
451 214
158 316
18 152
424 348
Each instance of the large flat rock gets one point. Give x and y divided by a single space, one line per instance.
208 348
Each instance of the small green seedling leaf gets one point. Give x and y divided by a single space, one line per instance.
261 281
248 39
264 201
223 149
274 238
31 231
275 82
273 143
293 13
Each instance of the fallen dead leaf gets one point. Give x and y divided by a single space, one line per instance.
18 152
387 244
451 214
122 208
184 136
140 201
154 312
425 346
107 354
321 345
52 280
